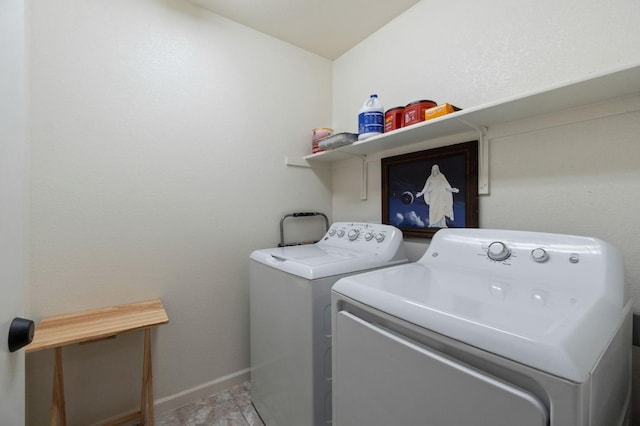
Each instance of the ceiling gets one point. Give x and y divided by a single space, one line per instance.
325 27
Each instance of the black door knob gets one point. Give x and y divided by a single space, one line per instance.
20 333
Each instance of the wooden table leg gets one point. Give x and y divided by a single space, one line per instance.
147 381
58 412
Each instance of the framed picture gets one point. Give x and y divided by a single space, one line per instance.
428 190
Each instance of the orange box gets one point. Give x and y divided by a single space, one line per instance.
439 110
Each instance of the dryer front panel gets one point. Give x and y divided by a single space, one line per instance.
380 378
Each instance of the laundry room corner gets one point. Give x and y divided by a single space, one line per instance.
163 142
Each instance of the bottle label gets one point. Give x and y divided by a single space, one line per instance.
370 122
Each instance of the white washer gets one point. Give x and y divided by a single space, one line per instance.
489 327
290 317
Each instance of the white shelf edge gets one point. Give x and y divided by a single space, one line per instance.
296 162
596 88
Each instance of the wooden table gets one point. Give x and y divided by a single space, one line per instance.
93 325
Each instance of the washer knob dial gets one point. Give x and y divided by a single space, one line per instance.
368 236
341 233
539 255
380 238
498 251
353 234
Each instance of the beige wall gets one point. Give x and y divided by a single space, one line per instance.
158 138
574 173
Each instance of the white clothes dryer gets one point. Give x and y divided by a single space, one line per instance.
290 317
489 327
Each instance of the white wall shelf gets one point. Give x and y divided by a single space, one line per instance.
597 88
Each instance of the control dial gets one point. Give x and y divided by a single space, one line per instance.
539 255
368 236
353 234
380 238
498 251
340 233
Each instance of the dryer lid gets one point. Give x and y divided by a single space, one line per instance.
557 316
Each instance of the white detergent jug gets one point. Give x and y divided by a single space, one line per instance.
371 118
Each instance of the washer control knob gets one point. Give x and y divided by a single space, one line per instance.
498 251
341 233
368 236
380 238
353 234
332 232
539 255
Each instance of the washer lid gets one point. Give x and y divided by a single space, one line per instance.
318 261
565 337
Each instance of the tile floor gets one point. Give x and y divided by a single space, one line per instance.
231 407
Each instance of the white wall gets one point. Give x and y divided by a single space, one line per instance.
574 173
13 204
471 52
159 133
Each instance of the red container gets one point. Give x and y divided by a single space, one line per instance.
414 112
393 119
319 133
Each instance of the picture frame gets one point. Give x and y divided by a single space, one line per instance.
439 185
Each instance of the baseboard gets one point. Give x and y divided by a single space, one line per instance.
204 390
188 396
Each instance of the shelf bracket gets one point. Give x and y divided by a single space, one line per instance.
483 156
363 175
364 182
300 162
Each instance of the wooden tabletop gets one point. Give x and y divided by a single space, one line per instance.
95 324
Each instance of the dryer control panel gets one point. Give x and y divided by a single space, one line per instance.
529 271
